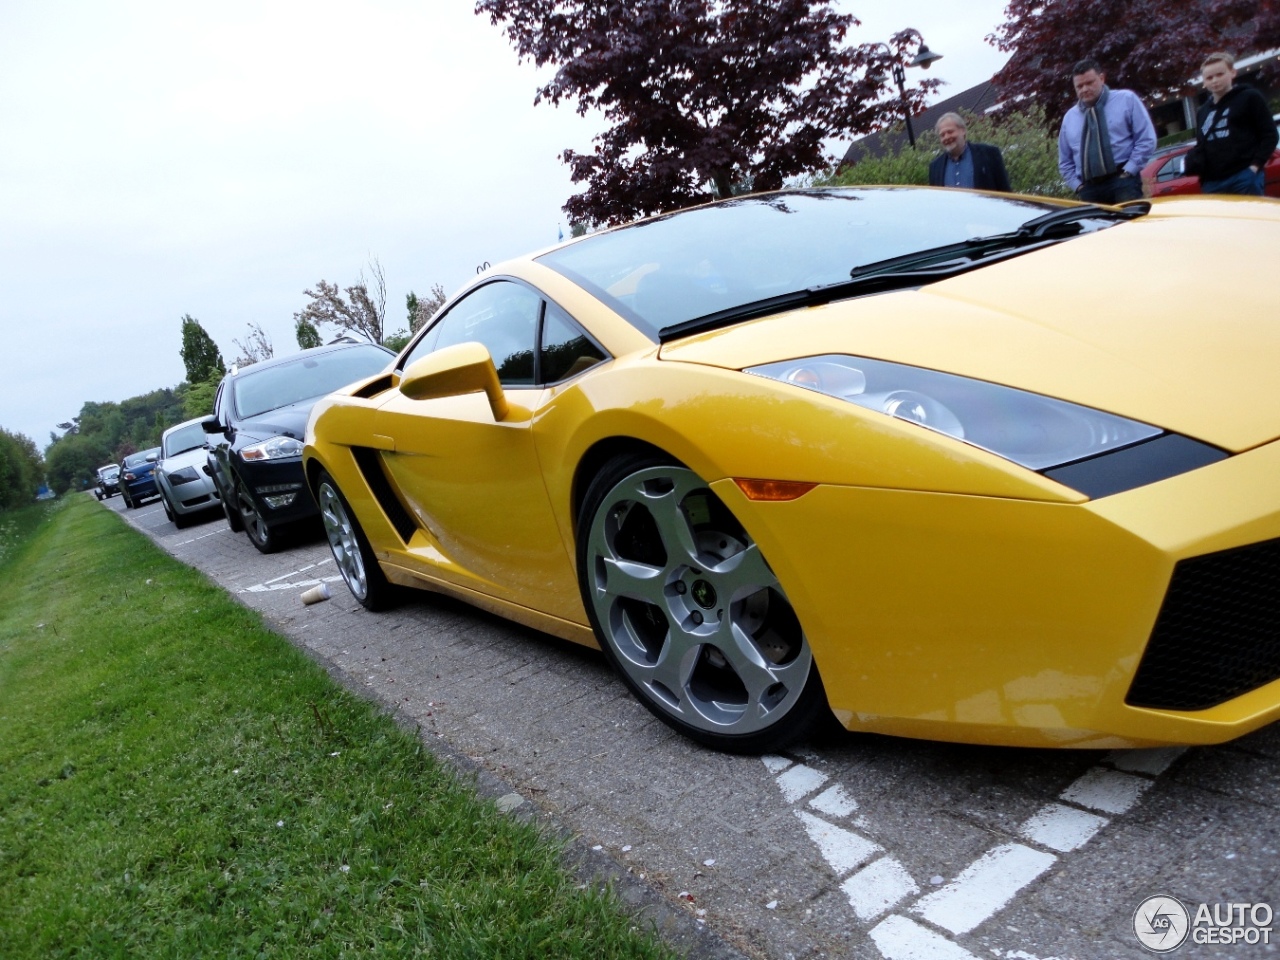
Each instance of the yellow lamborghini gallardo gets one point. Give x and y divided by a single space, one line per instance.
939 463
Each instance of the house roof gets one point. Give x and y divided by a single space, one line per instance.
977 100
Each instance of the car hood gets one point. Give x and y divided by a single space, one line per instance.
290 421
196 459
1148 320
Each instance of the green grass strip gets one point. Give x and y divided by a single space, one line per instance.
178 781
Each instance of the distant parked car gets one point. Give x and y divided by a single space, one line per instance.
137 477
108 481
255 434
1166 174
186 487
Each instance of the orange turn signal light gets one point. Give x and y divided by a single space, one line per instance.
774 490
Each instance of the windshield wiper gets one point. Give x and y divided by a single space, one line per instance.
1051 227
918 267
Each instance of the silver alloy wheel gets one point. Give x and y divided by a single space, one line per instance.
342 540
694 616
254 525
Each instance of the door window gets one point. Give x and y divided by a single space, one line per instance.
566 350
503 316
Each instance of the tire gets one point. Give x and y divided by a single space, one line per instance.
261 535
688 611
180 520
230 512
351 550
128 504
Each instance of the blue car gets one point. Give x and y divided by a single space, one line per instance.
137 477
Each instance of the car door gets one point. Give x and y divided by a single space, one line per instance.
474 483
219 446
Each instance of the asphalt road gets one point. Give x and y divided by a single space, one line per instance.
858 846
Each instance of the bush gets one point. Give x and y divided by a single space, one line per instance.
21 470
1030 155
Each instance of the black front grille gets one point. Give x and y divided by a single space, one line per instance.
1218 633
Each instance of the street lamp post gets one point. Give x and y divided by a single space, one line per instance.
924 56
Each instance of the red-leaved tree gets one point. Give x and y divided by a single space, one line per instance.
1152 47
704 97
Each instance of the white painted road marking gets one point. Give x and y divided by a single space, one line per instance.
291 585
1062 828
901 939
1152 762
834 802
1107 790
183 543
984 887
800 781
878 888
841 848
991 882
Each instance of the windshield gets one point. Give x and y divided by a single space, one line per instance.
139 458
190 437
676 267
311 376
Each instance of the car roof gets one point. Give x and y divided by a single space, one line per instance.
300 354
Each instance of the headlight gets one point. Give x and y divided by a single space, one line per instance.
1035 431
277 448
185 475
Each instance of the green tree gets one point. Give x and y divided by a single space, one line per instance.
1030 155
197 399
200 354
72 462
21 469
306 332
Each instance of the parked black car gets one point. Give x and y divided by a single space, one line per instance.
256 433
108 481
137 477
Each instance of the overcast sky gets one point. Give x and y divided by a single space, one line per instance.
159 159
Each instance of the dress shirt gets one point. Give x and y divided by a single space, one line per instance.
960 172
1133 136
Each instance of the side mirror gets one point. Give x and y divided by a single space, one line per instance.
453 371
152 458
211 425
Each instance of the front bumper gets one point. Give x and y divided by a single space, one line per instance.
141 488
189 496
277 488
992 620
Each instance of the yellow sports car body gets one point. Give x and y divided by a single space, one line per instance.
941 463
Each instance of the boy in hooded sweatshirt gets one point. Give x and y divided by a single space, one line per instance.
1235 134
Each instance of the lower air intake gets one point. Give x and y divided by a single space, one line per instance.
1218 633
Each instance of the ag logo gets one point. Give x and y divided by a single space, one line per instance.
1161 924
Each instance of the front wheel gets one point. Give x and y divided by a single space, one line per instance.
262 536
351 550
688 611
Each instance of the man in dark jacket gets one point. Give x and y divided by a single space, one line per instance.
978 166
1235 134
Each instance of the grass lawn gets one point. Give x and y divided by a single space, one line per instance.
178 781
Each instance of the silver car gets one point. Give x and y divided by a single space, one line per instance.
185 488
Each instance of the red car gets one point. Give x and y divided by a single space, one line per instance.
1165 174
